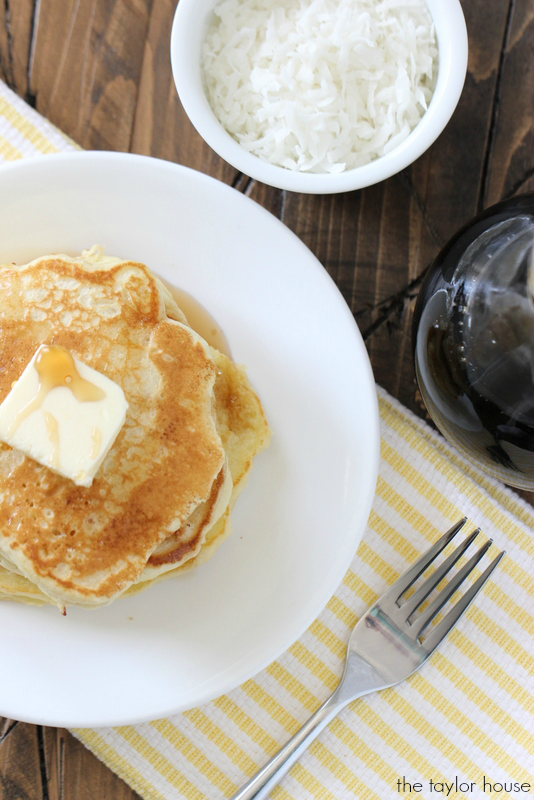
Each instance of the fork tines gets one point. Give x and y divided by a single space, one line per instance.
440 631
407 609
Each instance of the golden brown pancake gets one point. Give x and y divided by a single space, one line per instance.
186 542
244 432
86 545
161 500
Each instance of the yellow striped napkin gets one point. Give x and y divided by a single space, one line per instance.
24 132
460 727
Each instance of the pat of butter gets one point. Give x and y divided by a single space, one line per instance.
63 414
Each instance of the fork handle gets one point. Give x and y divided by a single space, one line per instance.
268 776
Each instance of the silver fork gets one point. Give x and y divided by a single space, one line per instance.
388 644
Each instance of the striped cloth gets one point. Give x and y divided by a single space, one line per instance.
24 132
460 727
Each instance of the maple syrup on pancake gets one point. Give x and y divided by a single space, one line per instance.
55 367
199 319
52 428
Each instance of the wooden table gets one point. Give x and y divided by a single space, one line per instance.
100 70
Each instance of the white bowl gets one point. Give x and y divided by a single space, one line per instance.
189 28
187 640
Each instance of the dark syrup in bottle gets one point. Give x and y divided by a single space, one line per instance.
474 341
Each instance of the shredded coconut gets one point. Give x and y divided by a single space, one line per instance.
320 85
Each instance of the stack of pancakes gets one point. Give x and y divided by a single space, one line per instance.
161 500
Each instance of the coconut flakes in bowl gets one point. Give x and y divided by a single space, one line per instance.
320 86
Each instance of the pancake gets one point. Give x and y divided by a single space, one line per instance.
244 432
161 500
186 542
86 545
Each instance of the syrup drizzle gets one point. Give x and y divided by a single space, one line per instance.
97 442
199 319
52 429
55 367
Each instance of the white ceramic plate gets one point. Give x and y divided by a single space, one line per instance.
299 521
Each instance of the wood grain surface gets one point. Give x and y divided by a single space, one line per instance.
100 71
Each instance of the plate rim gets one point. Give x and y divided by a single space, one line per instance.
321 597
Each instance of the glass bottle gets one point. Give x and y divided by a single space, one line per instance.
474 341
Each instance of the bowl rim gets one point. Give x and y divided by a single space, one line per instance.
186 35
155 191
